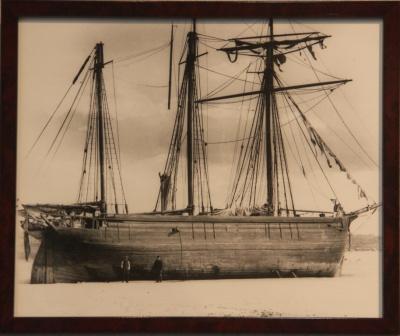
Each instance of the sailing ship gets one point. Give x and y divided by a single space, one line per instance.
248 238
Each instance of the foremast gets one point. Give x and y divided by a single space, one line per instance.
101 180
100 184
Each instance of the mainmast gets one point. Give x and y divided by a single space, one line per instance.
98 74
269 86
190 66
188 119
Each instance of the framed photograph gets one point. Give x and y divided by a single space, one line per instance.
200 167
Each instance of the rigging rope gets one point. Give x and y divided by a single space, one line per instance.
111 140
324 147
59 104
88 132
224 85
351 133
225 75
116 110
242 155
227 141
209 37
151 51
340 116
288 97
293 59
68 113
311 108
70 120
50 118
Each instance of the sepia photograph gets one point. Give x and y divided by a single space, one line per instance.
199 167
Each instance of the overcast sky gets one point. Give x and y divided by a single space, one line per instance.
51 52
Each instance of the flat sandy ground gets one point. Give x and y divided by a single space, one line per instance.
355 293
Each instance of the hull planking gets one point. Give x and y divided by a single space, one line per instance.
193 247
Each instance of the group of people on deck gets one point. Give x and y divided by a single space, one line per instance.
156 270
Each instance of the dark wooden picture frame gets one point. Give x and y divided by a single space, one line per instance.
389 12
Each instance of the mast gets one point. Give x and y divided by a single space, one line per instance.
269 86
190 64
272 49
189 123
171 47
98 73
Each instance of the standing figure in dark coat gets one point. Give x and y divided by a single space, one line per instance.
157 269
126 269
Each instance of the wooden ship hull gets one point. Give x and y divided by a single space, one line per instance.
193 247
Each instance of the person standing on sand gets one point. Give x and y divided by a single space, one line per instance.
125 268
157 269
